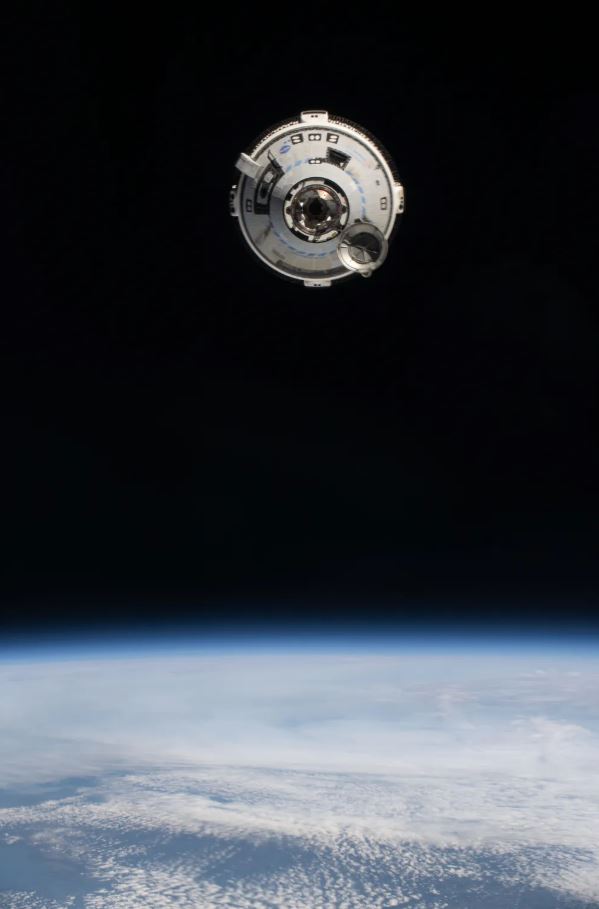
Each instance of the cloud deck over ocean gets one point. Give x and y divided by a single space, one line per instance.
264 777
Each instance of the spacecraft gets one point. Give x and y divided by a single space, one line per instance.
317 199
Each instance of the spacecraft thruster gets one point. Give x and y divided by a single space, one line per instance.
317 199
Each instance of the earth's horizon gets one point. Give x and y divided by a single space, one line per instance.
358 774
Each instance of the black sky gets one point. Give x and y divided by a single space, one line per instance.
185 436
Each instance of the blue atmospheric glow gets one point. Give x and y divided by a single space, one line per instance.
333 638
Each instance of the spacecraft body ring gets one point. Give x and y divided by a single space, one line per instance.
317 199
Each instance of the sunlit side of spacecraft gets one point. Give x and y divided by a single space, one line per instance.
317 199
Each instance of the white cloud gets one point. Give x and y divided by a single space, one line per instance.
421 832
403 711
403 761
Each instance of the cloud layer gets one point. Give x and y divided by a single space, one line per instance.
374 776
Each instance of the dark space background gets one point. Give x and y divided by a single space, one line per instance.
185 437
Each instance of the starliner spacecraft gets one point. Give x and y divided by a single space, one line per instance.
317 199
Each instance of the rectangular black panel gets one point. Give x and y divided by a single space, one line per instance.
338 158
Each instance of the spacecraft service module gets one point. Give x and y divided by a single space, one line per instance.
317 199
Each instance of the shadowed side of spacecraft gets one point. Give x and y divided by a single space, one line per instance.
317 199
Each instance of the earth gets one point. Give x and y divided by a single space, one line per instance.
305 775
